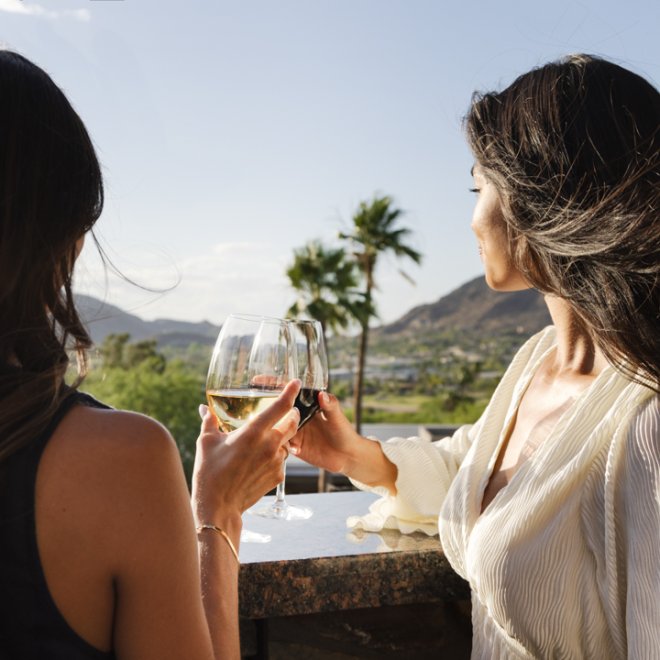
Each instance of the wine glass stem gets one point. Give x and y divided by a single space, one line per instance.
279 492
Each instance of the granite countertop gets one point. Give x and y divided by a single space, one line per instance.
319 565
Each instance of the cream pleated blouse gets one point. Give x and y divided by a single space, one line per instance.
565 560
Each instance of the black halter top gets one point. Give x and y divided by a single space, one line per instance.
31 626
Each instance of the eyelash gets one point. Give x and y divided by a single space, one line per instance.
474 190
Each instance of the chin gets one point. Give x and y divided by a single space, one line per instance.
507 282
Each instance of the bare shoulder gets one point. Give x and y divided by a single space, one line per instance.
89 437
109 465
110 489
123 429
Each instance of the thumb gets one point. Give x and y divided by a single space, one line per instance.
208 420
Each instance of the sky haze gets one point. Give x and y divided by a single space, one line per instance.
231 133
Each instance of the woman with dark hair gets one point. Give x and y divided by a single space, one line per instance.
549 505
98 552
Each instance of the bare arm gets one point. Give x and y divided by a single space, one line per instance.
219 581
231 473
159 611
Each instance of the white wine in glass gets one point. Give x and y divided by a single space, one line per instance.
232 408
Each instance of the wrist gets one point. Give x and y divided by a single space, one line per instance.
233 547
230 521
370 465
356 457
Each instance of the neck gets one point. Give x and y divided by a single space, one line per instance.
577 353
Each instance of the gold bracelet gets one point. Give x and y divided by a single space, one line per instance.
224 535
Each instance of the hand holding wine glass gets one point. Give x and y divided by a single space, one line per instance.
234 470
252 362
329 440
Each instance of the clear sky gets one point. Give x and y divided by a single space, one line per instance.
231 133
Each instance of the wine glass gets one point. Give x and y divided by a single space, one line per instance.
253 359
312 363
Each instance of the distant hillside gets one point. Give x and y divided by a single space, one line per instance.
472 307
476 308
102 320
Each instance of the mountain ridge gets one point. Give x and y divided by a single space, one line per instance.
472 307
475 307
103 319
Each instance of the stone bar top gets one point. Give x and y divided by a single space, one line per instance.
320 565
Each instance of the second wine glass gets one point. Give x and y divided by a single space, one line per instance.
312 370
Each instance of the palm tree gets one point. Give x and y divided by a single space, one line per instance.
325 280
375 232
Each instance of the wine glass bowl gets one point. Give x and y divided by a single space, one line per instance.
252 361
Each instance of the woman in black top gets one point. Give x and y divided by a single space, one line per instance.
99 555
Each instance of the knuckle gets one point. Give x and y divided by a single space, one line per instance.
273 443
292 424
206 440
272 450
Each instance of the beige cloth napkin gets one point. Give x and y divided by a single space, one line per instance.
389 513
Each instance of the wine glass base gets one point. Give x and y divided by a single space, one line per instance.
254 537
284 511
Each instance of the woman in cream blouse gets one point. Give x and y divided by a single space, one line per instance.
549 505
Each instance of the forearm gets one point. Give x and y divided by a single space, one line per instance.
368 464
219 575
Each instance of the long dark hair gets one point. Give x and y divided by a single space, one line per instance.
573 148
51 194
